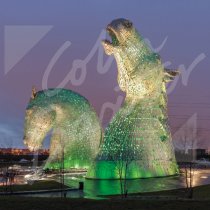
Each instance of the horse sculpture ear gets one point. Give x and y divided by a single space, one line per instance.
34 92
169 75
28 112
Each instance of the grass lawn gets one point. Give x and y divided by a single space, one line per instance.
37 185
31 203
199 192
21 203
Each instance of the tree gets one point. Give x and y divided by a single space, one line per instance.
123 153
187 141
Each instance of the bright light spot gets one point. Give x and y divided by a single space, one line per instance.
204 177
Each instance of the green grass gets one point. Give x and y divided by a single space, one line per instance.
37 185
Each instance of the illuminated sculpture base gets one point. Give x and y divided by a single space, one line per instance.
68 164
136 137
136 170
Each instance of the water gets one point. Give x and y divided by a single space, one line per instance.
97 188
94 188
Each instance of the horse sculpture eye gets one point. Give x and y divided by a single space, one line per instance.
127 24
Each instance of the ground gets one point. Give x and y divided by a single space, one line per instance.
37 185
20 203
201 200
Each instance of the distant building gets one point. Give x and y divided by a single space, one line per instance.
190 154
198 152
17 151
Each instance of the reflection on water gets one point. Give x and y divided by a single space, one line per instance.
93 188
111 187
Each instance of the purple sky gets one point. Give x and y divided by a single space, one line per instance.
183 24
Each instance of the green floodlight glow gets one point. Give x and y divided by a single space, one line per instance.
136 144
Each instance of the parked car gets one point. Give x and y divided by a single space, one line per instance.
202 162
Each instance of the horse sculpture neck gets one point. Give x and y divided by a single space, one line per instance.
137 140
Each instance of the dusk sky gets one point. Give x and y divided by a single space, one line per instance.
32 32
